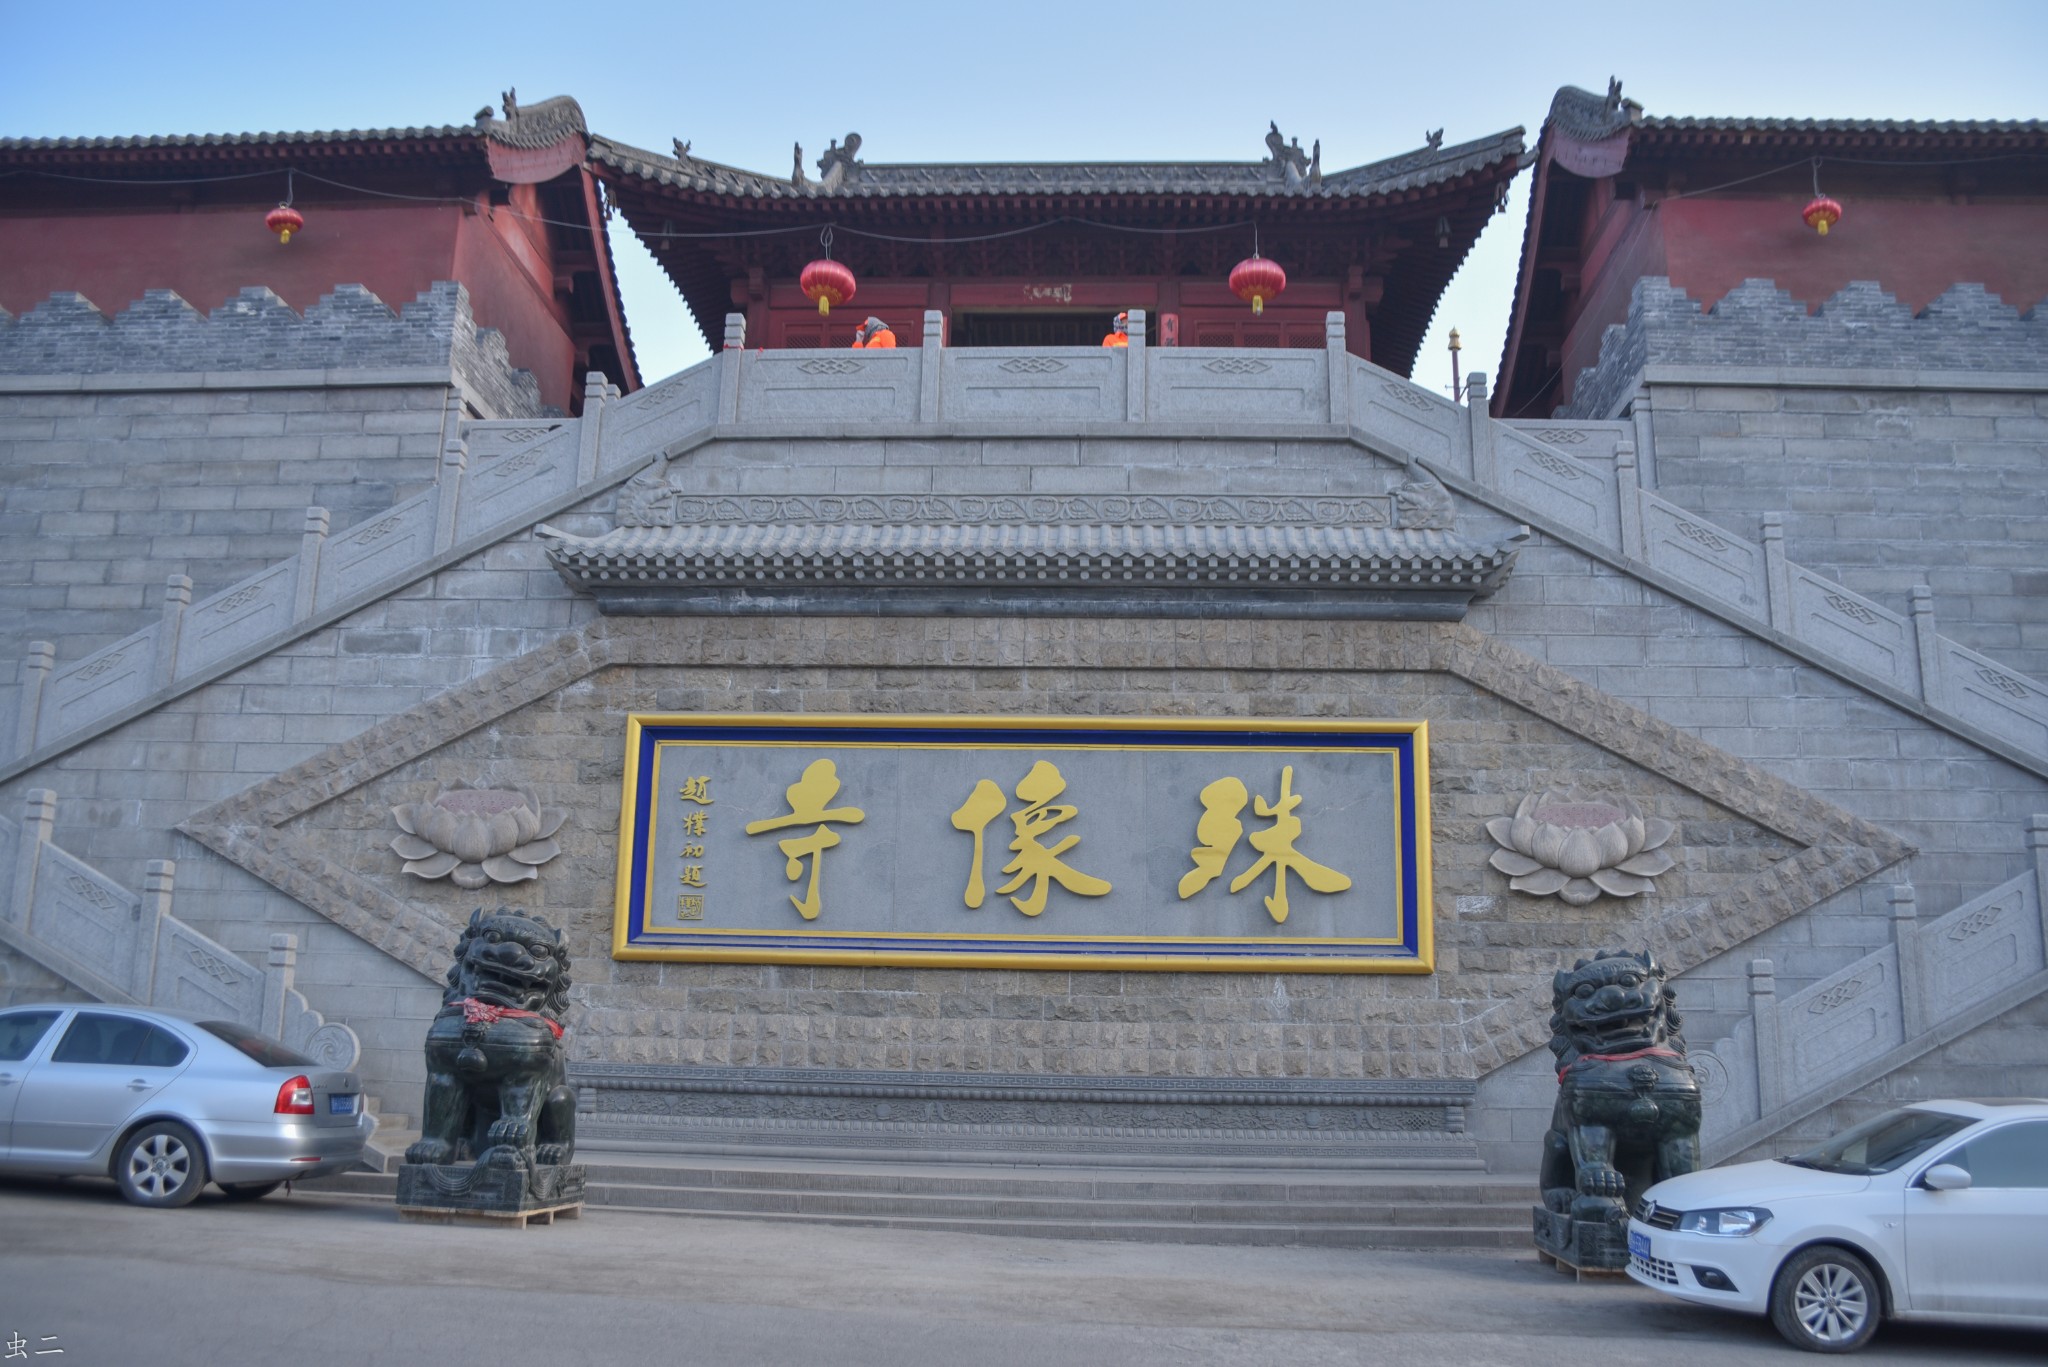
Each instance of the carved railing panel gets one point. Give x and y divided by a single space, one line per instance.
1072 383
237 618
502 488
1855 630
1578 493
357 560
1703 556
829 386
1204 384
103 682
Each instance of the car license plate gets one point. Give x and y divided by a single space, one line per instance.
342 1105
1638 1244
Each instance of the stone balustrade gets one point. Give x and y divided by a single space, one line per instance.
129 948
1576 481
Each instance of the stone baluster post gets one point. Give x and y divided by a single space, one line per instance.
931 355
1915 1008
159 877
1629 501
1646 438
1337 348
1485 468
35 673
448 493
312 543
1928 643
2037 841
1777 576
1770 1054
177 598
729 361
1135 371
596 394
278 976
38 822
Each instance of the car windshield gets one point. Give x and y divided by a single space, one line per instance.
1879 1145
262 1048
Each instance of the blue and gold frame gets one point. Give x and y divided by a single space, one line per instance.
1026 842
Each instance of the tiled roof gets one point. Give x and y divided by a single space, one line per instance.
203 140
1422 167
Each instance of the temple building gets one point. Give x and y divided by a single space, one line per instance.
1195 756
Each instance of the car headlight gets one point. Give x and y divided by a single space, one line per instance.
1732 1223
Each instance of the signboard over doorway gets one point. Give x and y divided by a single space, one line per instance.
1027 843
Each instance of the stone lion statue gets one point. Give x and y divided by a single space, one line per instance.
495 1059
1628 1106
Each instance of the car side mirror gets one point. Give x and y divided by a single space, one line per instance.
1945 1177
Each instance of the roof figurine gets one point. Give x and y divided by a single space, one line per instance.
839 164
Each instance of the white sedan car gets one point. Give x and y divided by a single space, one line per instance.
1935 1212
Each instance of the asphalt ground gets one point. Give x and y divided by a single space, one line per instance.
316 1279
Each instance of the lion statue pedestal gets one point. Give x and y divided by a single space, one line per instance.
1628 1108
498 1126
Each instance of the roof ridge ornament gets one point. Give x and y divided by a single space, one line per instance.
1295 167
839 164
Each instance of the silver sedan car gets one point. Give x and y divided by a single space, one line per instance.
163 1102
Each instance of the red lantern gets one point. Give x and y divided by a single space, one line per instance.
1822 214
284 220
1257 279
828 282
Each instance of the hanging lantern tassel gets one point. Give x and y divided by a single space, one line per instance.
284 220
1823 213
828 282
1256 279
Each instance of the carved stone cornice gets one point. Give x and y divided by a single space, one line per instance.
1117 555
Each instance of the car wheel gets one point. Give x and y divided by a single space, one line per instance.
1826 1300
248 1191
161 1165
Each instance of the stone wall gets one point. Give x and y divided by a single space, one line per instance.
1901 450
1882 489
348 330
24 980
1756 325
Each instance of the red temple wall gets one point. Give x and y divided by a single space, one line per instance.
1914 249
208 255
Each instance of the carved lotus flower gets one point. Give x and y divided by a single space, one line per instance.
1577 848
477 836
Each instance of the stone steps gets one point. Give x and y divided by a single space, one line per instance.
1327 1209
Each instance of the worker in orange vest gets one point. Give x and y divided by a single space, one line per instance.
1119 331
874 333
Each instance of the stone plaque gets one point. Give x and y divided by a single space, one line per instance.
1026 843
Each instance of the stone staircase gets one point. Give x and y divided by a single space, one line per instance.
1577 481
1933 984
128 948
1335 1209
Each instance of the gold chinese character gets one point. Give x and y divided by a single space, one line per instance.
1219 830
807 798
1034 861
697 790
693 851
690 907
693 823
693 876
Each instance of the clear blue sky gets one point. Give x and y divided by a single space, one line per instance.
1048 81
